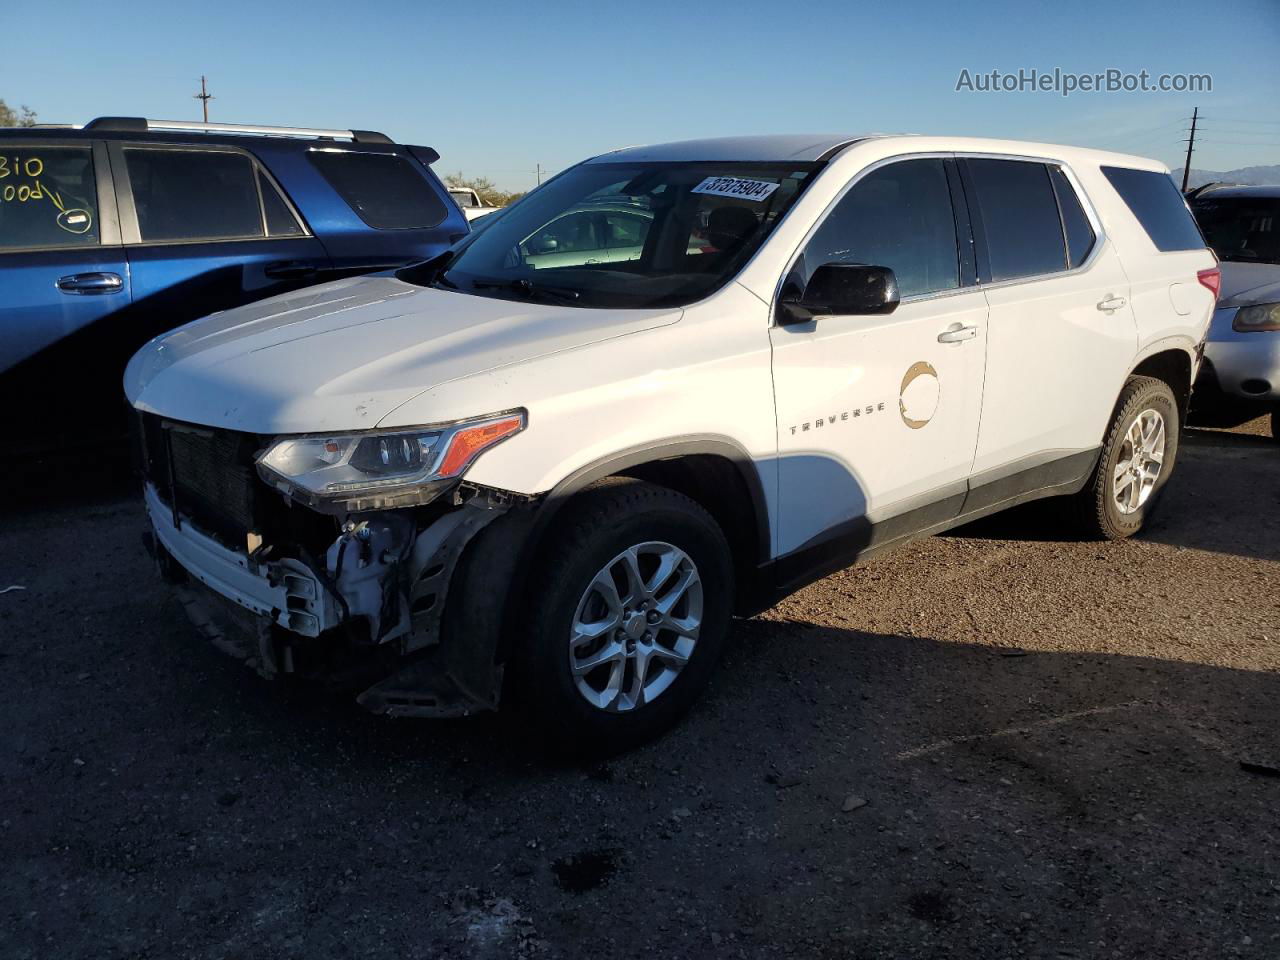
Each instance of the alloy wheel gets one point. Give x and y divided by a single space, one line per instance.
1140 462
636 626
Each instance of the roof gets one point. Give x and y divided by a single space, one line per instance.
1220 190
763 149
799 148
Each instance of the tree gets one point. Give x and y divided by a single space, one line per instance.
484 188
22 117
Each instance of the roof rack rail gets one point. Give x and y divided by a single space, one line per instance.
142 125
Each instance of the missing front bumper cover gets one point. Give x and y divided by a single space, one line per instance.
410 617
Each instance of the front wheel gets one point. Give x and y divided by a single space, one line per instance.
1136 462
628 614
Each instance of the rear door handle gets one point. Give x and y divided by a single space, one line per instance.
957 333
291 270
91 283
1111 303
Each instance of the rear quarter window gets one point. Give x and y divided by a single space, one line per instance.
1159 207
384 190
48 197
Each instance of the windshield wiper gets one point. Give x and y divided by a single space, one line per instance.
528 288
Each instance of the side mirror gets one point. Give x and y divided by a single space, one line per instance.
841 289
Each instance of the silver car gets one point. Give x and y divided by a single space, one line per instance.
1240 378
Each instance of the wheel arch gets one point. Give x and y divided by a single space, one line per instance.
715 472
1173 363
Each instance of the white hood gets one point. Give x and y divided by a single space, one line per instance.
343 355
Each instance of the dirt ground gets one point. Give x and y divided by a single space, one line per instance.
994 744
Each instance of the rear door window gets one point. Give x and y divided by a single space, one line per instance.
1159 207
1075 225
384 190
48 197
1019 218
190 195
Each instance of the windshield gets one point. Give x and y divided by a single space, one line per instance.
629 234
1241 228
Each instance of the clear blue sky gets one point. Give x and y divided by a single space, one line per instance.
498 86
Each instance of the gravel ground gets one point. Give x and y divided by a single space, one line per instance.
994 744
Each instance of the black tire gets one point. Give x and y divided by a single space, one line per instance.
1094 512
597 526
1275 422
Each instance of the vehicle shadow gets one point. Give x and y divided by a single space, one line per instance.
845 791
1224 497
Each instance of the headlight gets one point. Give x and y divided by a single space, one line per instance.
378 471
1256 317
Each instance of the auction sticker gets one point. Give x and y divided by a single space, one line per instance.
736 187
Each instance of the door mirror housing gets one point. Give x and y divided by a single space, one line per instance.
842 289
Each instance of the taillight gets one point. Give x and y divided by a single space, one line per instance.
1211 280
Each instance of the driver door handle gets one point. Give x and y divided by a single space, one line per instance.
1111 303
91 283
957 333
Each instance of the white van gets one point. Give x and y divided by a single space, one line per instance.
561 477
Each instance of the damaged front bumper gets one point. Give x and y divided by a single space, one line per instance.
285 592
407 612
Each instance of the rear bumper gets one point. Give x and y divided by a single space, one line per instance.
286 592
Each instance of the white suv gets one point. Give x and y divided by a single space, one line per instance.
561 479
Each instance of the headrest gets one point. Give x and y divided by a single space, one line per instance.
728 227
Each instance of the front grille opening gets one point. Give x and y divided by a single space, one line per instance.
208 475
213 481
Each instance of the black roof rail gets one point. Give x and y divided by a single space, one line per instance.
121 124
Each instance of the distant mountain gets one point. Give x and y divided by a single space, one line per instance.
1250 175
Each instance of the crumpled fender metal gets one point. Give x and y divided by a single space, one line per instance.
461 672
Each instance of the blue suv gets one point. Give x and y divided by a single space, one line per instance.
121 229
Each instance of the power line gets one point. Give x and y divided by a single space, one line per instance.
1244 120
1242 143
1217 131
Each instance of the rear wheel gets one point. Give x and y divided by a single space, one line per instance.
1137 460
1275 422
627 617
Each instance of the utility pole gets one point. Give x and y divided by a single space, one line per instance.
538 171
1191 145
204 96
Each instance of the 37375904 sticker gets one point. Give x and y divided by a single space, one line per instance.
737 187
